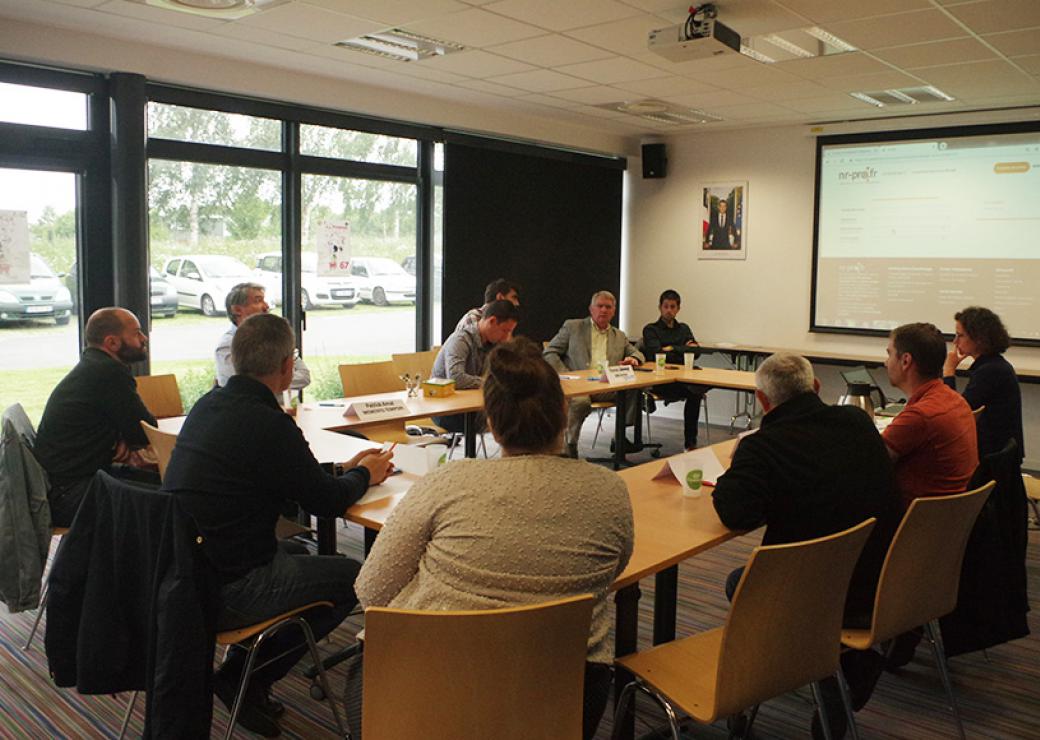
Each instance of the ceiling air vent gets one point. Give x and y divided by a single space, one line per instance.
400 45
224 9
661 112
903 96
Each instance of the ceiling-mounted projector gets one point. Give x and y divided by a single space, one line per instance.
689 41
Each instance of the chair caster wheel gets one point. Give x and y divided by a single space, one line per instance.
317 693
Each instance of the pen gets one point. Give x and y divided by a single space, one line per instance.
330 404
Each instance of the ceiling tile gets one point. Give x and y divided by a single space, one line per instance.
1015 43
915 27
540 80
310 22
835 65
753 75
827 11
552 50
411 69
865 83
756 17
935 53
710 100
750 111
475 27
798 90
656 6
561 16
627 37
392 12
994 16
594 95
81 3
548 100
1030 64
474 63
266 38
834 102
989 78
617 69
491 87
662 86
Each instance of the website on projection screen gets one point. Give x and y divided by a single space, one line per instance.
917 230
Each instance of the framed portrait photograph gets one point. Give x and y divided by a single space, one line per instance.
723 234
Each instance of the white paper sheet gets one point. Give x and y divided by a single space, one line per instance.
677 466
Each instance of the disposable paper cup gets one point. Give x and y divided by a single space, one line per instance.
661 359
694 485
687 360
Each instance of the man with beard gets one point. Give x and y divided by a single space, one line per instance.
93 417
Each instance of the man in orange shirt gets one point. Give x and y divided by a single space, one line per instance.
932 441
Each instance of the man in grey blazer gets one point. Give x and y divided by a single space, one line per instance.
581 344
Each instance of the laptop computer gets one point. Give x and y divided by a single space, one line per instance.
861 375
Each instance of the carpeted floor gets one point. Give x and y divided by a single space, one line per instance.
998 693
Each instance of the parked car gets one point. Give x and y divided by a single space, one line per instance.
43 297
317 290
202 281
382 281
408 263
163 295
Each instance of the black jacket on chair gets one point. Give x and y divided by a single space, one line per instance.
132 607
992 601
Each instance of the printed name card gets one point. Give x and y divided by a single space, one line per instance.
366 410
620 374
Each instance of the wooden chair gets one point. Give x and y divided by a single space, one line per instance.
58 532
366 378
978 412
921 574
1033 495
509 674
781 633
160 395
251 638
163 444
415 362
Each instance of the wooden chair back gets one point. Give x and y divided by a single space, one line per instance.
160 395
509 674
978 412
163 444
921 573
783 630
415 362
365 378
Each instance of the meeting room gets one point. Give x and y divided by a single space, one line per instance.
519 369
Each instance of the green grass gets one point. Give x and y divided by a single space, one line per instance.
31 388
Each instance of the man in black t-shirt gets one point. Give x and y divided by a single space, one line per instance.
239 458
675 339
93 416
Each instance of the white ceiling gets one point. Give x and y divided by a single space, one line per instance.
556 59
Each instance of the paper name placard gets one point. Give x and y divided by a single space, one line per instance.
704 459
620 374
366 410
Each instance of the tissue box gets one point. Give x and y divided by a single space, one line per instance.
438 387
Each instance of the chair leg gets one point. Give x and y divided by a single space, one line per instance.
707 424
126 717
243 684
935 637
1036 512
599 425
39 611
628 693
846 702
825 724
646 410
322 676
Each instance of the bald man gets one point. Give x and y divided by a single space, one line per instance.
92 418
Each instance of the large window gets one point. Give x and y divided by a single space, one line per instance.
39 106
38 340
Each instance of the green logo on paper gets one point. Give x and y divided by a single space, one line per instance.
694 479
442 459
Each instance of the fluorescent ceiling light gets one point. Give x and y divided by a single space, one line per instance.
401 45
796 43
229 10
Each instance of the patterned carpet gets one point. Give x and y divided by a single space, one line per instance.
998 694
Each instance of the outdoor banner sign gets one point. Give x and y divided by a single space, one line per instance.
14 247
333 248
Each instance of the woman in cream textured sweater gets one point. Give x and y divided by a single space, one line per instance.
526 528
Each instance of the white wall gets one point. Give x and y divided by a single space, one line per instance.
763 300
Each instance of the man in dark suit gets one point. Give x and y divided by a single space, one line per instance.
812 470
721 233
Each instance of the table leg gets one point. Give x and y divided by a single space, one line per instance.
626 632
666 589
620 411
469 432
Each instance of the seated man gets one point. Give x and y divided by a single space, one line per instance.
812 470
932 441
675 338
496 290
93 416
244 300
238 459
464 355
581 344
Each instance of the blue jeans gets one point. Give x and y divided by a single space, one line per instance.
287 582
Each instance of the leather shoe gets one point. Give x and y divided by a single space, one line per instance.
252 714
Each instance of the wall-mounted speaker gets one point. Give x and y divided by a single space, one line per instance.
655 161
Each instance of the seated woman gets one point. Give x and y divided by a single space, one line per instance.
980 334
527 528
